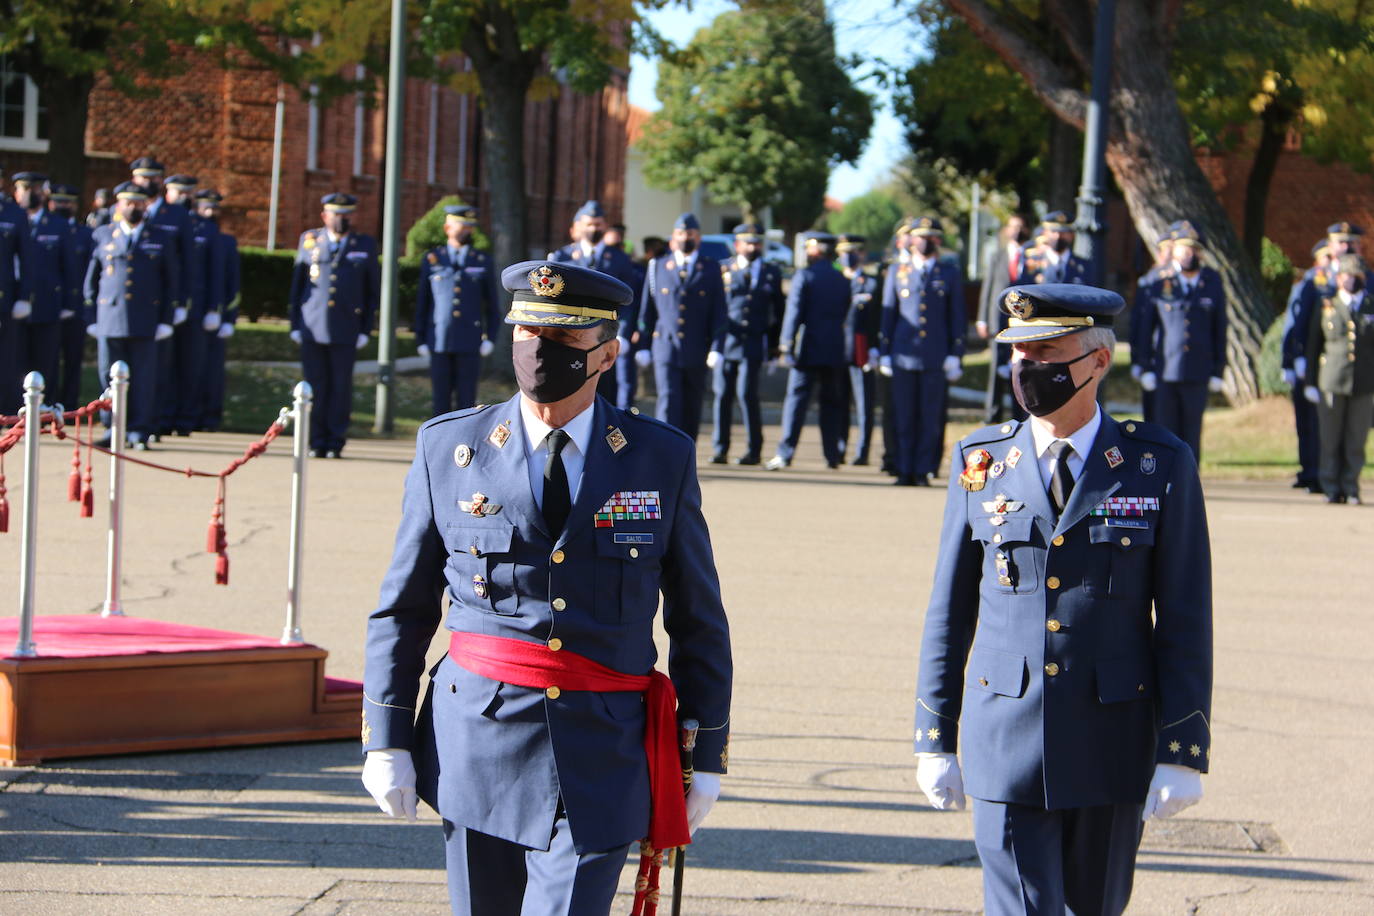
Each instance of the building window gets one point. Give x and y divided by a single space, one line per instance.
23 120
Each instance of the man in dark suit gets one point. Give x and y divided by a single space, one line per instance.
1067 655
554 521
54 277
62 202
1001 268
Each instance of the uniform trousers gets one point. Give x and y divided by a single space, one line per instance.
737 379
1178 407
181 409
1050 863
453 380
38 346
71 350
889 429
213 383
1309 437
1344 423
680 391
488 876
140 353
919 405
863 391
626 378
329 370
11 379
831 384
994 405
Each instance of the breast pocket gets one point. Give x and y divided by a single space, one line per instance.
1124 551
628 571
1009 553
480 553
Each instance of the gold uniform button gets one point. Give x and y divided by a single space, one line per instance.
1052 669
474 551
1053 625
1006 428
1130 427
634 552
983 681
1139 688
558 556
1125 542
634 411
997 538
1052 582
455 314
553 693
559 604
555 644
1058 540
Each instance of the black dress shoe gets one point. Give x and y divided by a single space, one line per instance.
832 464
718 459
1335 500
1300 484
747 459
317 453
333 453
104 441
921 480
860 462
1314 488
904 480
184 433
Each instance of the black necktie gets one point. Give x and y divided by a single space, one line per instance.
1061 481
557 502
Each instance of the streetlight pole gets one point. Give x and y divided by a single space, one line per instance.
391 206
1092 217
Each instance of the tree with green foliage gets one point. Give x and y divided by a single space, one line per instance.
428 231
758 109
872 215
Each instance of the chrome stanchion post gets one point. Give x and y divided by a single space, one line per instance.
33 426
119 424
300 413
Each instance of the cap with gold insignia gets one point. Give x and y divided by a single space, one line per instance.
591 209
463 213
1043 311
127 190
849 242
62 193
339 202
1185 232
1055 221
550 294
687 222
1344 232
927 225
749 232
32 179
182 182
1321 246
903 226
209 197
146 167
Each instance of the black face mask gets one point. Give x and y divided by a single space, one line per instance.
1062 244
688 246
926 247
1043 388
548 371
133 217
593 237
752 254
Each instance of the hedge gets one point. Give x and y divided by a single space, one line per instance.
266 283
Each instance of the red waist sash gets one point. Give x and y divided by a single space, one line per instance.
529 664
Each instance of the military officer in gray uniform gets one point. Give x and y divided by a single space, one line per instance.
335 286
1180 344
1340 379
553 522
456 312
1067 654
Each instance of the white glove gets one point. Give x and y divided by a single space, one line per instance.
1004 370
423 350
1149 381
873 357
226 331
1300 366
485 348
786 361
163 332
211 321
1172 789
701 798
940 779
389 777
713 359
179 314
91 330
295 337
1290 378
1137 372
644 359
1312 394
65 314
21 309
885 366
361 342
1215 384
952 368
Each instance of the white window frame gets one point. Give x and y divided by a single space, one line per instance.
30 142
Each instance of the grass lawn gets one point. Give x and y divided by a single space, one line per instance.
268 340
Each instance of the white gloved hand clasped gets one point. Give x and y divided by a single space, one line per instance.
485 348
1290 378
941 780
713 359
1004 370
389 777
162 332
1172 789
1215 383
953 370
1312 394
21 309
295 337
361 342
885 366
1149 381
179 315
701 798
644 359
423 350
226 330
211 321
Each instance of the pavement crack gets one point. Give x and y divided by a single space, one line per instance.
1195 904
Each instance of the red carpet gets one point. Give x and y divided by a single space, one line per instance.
89 635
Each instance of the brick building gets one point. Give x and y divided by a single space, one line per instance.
218 124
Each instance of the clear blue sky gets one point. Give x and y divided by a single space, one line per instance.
869 27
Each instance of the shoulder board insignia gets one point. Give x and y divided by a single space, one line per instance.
308 242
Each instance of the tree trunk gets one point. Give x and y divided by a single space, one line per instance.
1065 166
1274 122
68 102
503 147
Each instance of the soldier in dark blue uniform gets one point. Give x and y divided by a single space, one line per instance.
62 203
754 305
1164 253
334 291
14 300
862 325
682 314
1181 348
1049 257
591 249
571 517
922 344
128 302
54 277
456 312
901 247
812 349
1067 655
218 253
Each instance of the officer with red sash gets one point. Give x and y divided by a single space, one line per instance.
553 522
